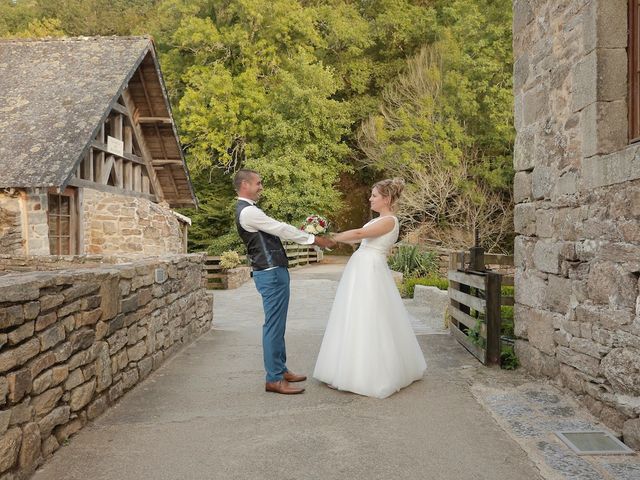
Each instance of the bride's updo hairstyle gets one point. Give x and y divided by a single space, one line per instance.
391 188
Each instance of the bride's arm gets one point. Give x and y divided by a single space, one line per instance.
376 229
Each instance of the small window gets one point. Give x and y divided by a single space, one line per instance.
62 223
633 52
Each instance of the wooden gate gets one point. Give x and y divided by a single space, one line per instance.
475 303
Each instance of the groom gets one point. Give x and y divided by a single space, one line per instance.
261 235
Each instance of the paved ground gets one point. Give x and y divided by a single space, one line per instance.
205 415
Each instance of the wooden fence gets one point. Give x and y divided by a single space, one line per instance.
297 255
475 303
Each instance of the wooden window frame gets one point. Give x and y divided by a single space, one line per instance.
633 52
54 195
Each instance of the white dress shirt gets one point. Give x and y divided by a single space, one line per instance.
253 219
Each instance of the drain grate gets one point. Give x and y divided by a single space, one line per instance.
597 442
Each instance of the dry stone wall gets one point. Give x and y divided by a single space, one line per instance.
72 342
30 263
577 188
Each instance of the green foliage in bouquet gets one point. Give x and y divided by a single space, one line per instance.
230 259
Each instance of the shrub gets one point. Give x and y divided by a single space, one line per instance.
226 242
408 285
230 259
508 359
409 260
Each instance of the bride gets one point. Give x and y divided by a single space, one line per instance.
369 346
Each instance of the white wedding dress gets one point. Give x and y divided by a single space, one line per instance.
369 346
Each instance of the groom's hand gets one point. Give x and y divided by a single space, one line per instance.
324 242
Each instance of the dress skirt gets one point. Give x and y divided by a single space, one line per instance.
369 346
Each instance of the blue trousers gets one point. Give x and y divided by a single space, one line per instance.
273 286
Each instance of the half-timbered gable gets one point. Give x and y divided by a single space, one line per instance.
90 160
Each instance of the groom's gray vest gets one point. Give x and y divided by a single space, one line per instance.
263 249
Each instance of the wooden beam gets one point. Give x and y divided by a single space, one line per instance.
474 280
157 130
144 90
128 139
139 137
155 120
77 182
493 318
137 178
169 161
99 166
106 169
87 162
116 126
170 179
120 109
118 168
478 304
128 175
127 156
90 172
145 183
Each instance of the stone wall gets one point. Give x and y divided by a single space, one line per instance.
23 223
21 263
110 224
577 188
236 277
115 224
72 342
10 225
35 230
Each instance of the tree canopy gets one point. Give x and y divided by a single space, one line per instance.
316 94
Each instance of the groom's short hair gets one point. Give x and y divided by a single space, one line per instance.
242 175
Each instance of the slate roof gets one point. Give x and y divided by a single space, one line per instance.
54 95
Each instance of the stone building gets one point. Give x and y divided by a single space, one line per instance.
577 189
90 160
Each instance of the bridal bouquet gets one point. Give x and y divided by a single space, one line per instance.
315 224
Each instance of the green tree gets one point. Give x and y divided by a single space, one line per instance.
253 94
43 18
478 83
284 86
445 124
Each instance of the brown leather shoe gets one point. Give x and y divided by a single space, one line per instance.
282 386
292 377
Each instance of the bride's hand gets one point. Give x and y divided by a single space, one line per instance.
334 238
